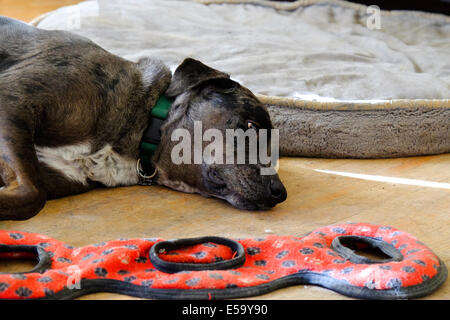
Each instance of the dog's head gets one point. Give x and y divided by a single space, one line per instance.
204 99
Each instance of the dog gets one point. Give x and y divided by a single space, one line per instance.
73 116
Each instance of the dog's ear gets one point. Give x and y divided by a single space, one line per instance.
154 73
190 73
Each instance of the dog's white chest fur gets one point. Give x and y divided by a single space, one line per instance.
78 163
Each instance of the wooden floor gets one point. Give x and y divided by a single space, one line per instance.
315 198
27 10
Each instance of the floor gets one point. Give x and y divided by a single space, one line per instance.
27 10
315 198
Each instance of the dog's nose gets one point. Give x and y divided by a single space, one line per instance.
277 190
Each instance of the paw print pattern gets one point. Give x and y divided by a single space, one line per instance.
199 255
101 272
63 260
147 283
339 230
260 262
339 261
347 270
3 286
129 279
48 292
123 272
419 262
281 254
44 244
97 261
253 251
192 282
409 269
306 251
87 257
394 283
288 263
23 292
141 260
107 251
131 246
44 279
15 236
235 273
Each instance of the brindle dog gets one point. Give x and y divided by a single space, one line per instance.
72 116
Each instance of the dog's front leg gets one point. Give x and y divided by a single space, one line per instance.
21 195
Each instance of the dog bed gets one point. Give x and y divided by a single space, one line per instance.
334 86
219 268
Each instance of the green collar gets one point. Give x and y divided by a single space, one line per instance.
151 139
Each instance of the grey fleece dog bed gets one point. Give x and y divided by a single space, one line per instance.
333 86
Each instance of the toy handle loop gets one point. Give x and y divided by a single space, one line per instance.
172 267
44 261
343 244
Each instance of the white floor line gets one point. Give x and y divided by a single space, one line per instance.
413 182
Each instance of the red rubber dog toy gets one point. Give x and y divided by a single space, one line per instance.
218 268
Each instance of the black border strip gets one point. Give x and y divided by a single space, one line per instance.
303 277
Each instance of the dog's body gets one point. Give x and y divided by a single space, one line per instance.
72 117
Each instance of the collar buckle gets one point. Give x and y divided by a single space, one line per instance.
144 179
150 141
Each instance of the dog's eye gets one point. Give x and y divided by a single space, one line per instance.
252 125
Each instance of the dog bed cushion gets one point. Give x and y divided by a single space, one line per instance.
325 50
334 86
